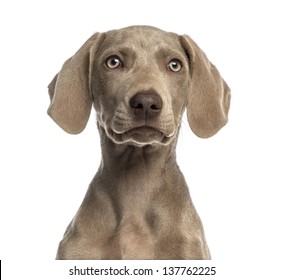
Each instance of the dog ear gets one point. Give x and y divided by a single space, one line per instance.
70 92
209 95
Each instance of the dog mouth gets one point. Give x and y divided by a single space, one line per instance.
141 136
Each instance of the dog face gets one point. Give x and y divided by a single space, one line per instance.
140 80
140 88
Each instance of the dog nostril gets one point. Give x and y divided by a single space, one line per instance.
155 107
137 106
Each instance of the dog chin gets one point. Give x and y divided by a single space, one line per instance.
141 136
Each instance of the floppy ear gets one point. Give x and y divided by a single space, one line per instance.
209 95
70 92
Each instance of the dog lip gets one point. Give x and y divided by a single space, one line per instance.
144 128
141 135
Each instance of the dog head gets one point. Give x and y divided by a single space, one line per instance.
140 80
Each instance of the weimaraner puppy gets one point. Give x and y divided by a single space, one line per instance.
139 80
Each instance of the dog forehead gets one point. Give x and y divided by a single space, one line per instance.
142 36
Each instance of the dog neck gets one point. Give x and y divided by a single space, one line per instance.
142 187
138 173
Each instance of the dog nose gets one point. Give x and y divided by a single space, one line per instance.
146 105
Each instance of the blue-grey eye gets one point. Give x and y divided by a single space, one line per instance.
175 65
113 62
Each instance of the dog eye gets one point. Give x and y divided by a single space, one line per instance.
113 62
175 65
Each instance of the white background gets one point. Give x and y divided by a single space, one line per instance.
235 177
